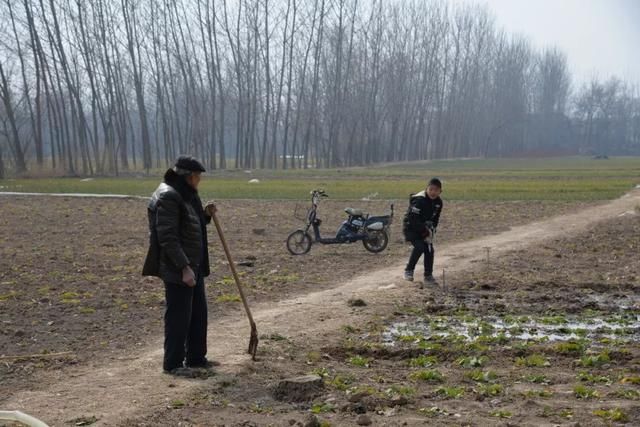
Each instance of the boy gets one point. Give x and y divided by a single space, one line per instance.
419 227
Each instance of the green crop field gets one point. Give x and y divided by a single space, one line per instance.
565 178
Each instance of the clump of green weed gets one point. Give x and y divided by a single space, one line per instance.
629 394
313 357
409 338
500 339
537 379
566 413
488 390
9 295
175 404
70 297
321 408
480 376
570 347
226 281
362 389
423 361
121 303
362 362
228 298
592 360
630 380
400 390
340 382
432 375
450 392
349 329
533 361
486 328
615 415
553 320
476 347
430 346
259 409
432 412
276 337
501 414
321 372
472 361
538 393
586 377
582 392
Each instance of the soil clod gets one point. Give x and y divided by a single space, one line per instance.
364 420
299 389
356 302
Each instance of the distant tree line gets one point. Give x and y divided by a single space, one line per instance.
105 86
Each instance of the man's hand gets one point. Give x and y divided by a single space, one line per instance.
188 276
210 208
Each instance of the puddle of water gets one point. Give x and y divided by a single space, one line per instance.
621 327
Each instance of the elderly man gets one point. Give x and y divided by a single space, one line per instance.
178 254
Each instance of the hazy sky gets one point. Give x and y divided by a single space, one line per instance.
600 37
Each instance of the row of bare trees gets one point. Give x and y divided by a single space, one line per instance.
110 85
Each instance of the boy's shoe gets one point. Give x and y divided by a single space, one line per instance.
430 280
408 275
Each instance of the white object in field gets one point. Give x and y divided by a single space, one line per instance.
254 181
375 226
20 417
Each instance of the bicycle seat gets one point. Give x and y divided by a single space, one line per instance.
354 212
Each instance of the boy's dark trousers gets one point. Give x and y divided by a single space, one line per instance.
421 247
185 324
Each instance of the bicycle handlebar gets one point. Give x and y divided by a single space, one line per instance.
318 193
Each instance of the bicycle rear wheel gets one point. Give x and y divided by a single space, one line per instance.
376 241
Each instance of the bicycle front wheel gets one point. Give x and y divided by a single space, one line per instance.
298 242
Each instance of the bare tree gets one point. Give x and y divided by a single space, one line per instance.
13 134
133 45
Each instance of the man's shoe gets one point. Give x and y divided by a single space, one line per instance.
184 372
408 275
206 364
430 280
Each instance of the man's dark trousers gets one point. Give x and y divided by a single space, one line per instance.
421 247
185 324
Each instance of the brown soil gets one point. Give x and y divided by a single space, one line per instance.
72 286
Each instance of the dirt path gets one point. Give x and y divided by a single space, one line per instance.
133 385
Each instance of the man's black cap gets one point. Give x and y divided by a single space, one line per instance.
187 164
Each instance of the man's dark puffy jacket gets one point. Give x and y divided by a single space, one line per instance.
422 210
177 233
